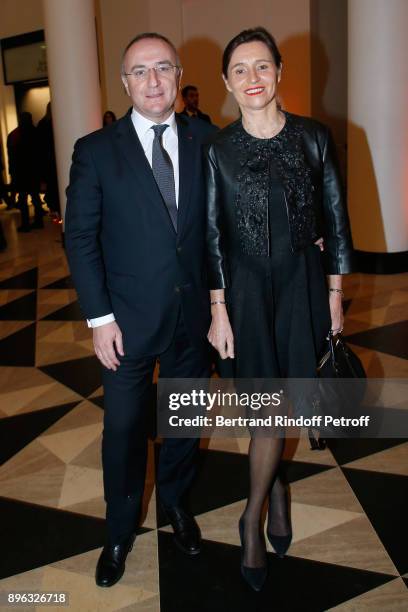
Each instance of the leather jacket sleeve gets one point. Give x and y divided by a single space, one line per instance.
338 248
215 259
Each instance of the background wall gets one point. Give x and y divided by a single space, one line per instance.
311 34
16 17
328 86
201 29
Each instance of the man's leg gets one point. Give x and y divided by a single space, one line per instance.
177 463
124 443
38 210
124 455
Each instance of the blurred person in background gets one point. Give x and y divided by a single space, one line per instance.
23 153
109 117
191 98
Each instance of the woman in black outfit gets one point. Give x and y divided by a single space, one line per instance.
273 192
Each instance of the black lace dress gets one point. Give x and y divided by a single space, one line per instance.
278 299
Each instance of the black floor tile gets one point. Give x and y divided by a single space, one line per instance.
98 401
18 431
293 471
384 498
391 339
19 349
22 309
70 312
62 283
26 280
223 479
81 375
212 581
33 535
346 450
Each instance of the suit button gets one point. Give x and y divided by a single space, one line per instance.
179 249
177 289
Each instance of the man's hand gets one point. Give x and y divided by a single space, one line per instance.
220 333
105 339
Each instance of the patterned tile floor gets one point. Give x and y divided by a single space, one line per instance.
349 501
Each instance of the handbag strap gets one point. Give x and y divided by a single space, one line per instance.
333 353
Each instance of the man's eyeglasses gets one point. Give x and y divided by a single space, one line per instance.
163 70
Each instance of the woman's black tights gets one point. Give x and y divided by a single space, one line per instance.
265 454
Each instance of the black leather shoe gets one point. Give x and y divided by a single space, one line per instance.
111 563
187 533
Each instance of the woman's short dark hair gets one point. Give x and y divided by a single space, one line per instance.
247 36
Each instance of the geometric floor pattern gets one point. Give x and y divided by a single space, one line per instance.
349 502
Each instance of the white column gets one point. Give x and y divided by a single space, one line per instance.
378 124
73 74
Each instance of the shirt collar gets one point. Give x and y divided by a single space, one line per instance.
143 125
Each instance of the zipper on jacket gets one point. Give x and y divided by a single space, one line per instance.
287 216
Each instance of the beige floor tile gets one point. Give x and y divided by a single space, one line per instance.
327 489
390 597
93 507
89 457
11 327
37 398
353 326
82 415
309 520
353 543
220 525
14 379
55 331
383 365
32 459
9 295
382 316
56 343
41 488
67 445
85 596
141 564
79 485
57 297
391 461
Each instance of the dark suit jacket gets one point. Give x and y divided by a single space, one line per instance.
200 115
124 254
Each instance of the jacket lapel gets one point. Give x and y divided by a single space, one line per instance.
132 150
187 151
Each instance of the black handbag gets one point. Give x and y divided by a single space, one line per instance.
334 397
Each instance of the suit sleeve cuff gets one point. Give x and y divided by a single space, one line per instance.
109 318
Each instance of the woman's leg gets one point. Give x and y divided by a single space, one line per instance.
264 457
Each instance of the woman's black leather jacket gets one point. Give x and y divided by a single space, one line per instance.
313 191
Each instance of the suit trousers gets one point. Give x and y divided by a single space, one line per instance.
124 441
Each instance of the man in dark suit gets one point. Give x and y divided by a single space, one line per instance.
135 245
190 96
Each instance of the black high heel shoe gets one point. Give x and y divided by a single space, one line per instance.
280 543
254 576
